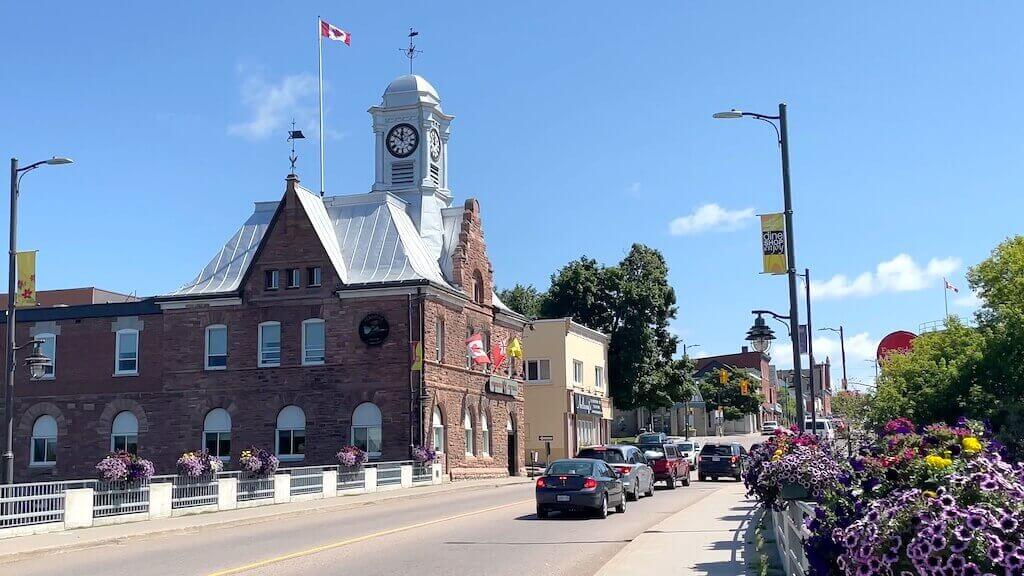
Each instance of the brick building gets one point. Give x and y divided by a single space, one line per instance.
300 334
758 366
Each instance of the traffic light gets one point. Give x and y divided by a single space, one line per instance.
744 388
723 377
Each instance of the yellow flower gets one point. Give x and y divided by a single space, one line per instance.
778 452
937 462
930 494
971 445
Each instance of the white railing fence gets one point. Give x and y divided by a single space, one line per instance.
790 534
46 506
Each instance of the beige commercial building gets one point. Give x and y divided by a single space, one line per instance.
566 389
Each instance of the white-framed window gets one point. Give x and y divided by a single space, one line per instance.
270 344
485 435
577 372
217 433
314 276
313 341
124 433
291 433
467 426
44 441
271 279
366 429
216 347
438 431
294 278
126 354
439 339
598 376
538 370
49 349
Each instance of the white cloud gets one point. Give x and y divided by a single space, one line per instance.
969 300
710 217
273 105
901 274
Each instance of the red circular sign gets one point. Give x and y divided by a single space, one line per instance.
898 342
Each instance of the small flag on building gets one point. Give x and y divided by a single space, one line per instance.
949 286
475 349
497 356
25 264
417 356
334 33
515 349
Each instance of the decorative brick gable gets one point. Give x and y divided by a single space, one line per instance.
469 259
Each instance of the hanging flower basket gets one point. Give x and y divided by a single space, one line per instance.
793 491
258 462
123 466
198 463
423 456
351 457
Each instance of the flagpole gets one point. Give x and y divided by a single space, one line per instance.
320 68
945 298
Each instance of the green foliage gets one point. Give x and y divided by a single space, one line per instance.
633 303
730 395
523 299
853 408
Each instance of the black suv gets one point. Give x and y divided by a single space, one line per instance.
721 460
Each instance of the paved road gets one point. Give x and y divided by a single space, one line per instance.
485 531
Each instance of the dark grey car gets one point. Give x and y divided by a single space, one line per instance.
579 484
636 472
721 460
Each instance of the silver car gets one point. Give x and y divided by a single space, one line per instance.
637 474
689 449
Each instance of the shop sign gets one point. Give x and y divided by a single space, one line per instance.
585 404
500 385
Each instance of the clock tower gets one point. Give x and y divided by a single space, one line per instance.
412 153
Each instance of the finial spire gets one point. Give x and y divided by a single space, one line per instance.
411 51
294 135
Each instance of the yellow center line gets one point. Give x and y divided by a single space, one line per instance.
346 542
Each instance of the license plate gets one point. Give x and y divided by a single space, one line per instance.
562 498
714 459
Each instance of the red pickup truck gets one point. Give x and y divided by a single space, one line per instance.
668 464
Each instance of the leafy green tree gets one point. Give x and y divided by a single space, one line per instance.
584 290
734 403
851 407
523 299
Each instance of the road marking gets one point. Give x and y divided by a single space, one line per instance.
348 541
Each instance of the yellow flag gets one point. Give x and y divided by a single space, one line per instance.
515 349
417 355
773 243
26 267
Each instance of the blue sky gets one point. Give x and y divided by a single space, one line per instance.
580 132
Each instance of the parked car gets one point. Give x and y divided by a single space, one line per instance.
580 484
689 449
637 475
651 438
825 430
667 464
769 427
721 460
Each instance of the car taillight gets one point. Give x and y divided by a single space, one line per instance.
734 459
540 483
624 470
590 483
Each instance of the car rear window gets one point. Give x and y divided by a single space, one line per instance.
686 447
652 451
644 438
609 456
571 467
716 450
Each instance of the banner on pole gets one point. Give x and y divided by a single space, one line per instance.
773 243
802 338
25 264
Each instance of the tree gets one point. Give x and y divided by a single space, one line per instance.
525 300
584 290
851 406
729 396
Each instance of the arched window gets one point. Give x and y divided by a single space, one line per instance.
44 441
478 287
509 427
485 435
124 433
217 433
467 425
366 432
291 433
438 431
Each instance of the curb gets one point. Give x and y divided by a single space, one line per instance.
12 557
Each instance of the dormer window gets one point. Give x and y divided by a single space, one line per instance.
478 287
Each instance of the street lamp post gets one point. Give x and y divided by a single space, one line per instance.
687 412
842 348
36 361
810 357
794 320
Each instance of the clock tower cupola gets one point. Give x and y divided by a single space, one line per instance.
411 153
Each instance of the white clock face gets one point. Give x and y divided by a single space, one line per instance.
435 145
402 140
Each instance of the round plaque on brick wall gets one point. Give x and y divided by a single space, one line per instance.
374 329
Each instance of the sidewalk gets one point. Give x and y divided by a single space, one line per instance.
708 538
19 548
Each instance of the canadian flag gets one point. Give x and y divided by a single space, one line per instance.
475 349
950 286
334 33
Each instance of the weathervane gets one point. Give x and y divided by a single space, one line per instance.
411 51
294 135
